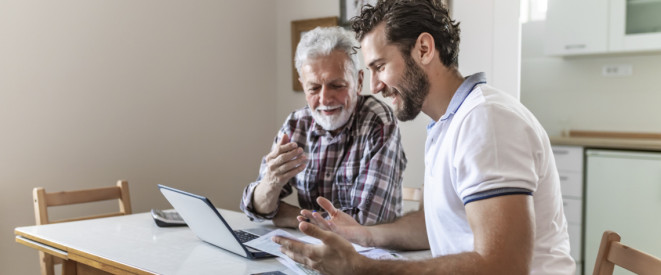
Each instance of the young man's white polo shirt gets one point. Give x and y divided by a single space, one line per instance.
488 144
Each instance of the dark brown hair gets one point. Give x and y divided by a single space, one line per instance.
406 19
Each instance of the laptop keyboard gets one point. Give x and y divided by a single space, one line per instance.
245 236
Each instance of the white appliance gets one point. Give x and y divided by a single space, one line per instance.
623 194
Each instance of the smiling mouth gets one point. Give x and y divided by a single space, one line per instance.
329 110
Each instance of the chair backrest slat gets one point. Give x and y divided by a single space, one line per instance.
612 252
633 260
411 194
82 196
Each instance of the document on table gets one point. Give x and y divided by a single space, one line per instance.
265 244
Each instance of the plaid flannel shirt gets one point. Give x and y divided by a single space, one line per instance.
359 170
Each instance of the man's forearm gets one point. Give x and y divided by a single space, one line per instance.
265 198
464 263
406 233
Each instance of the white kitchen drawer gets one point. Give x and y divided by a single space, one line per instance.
573 210
571 184
575 241
568 158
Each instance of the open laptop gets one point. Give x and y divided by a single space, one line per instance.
207 223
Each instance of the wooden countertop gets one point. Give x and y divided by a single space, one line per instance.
610 143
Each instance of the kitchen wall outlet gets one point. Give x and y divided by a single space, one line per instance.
617 70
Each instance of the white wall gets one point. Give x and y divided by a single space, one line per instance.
173 92
490 41
571 93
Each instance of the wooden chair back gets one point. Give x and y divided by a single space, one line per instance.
411 194
412 199
43 200
612 252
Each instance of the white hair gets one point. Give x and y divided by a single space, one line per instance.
322 41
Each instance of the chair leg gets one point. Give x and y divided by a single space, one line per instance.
46 263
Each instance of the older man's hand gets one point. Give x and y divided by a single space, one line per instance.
283 163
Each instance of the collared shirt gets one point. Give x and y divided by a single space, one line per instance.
488 144
359 169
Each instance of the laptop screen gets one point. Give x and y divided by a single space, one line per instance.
204 220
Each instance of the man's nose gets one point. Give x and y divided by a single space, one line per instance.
376 85
325 96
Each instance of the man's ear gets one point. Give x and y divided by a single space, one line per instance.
425 48
360 82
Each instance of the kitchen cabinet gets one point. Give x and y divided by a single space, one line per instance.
581 27
575 27
569 161
635 25
623 194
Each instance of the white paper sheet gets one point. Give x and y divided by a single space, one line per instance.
264 243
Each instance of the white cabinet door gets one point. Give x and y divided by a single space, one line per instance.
623 194
571 184
635 25
576 27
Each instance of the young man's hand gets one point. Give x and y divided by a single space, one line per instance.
335 256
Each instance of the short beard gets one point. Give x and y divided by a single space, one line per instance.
331 123
414 89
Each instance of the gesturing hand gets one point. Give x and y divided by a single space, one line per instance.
283 163
338 222
334 256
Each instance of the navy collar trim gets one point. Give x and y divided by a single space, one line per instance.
462 93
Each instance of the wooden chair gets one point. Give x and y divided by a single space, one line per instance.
43 200
412 199
411 194
612 252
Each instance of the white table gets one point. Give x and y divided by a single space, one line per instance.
133 244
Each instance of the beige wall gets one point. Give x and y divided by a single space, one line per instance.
571 93
172 92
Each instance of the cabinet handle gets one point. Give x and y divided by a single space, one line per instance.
560 152
563 178
574 46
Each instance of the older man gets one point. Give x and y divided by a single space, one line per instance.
342 146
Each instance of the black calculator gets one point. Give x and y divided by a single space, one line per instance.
167 218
